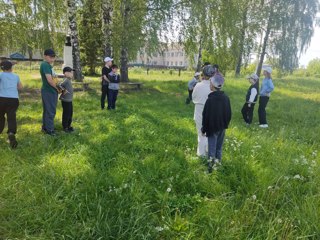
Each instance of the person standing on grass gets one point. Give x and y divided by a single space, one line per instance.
216 117
105 81
114 87
66 99
9 100
49 92
191 84
251 99
266 88
199 97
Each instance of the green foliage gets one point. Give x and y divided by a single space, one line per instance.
313 67
133 174
31 25
90 35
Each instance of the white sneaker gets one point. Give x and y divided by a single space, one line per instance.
263 125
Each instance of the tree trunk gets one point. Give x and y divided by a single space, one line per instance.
199 56
106 7
124 65
124 50
264 46
242 37
74 40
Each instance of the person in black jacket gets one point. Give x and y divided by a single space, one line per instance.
251 99
105 81
216 117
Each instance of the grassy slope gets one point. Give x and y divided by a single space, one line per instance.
133 174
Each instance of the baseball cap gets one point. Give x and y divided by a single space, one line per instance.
267 69
209 70
67 69
49 52
6 65
217 80
197 74
107 59
253 76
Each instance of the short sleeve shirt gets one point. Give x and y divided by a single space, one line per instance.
9 85
46 68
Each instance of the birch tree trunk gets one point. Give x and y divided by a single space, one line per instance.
124 65
124 40
242 38
107 9
71 4
264 46
199 56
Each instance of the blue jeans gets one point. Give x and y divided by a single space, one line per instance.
49 103
215 143
112 98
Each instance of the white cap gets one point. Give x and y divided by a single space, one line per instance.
253 76
267 69
108 59
197 74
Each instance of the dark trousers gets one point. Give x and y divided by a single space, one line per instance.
112 98
189 98
215 143
263 101
247 112
8 106
49 102
67 114
104 94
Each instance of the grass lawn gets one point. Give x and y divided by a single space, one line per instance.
133 174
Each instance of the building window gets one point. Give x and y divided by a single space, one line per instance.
176 63
181 63
171 63
172 54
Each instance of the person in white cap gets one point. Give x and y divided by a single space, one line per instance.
216 117
251 99
105 81
191 84
199 98
266 88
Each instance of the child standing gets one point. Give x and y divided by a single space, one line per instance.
191 84
114 86
199 98
66 99
251 99
216 118
9 100
266 88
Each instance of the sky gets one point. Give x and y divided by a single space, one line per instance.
313 50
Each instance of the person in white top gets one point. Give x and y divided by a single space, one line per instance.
199 98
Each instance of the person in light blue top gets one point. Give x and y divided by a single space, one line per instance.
9 100
266 88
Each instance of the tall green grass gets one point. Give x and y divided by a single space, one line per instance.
132 173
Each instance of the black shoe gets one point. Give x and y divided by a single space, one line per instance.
66 130
210 166
12 140
70 129
51 133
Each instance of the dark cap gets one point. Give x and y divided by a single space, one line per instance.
6 65
67 69
49 52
